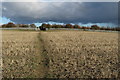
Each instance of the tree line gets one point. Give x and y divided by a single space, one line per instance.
12 25
76 26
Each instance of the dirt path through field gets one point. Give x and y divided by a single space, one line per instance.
22 55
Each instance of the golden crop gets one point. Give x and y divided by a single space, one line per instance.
21 55
67 54
78 54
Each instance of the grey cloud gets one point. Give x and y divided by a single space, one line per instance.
65 12
60 0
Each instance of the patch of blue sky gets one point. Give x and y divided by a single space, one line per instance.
38 24
4 20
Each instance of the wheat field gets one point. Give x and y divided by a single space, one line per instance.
21 55
80 54
67 54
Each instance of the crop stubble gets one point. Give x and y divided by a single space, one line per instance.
73 54
21 54
80 54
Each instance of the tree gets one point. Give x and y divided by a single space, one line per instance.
43 25
10 25
102 28
54 26
4 25
76 26
48 26
117 28
83 27
107 28
87 27
68 26
24 26
33 25
95 27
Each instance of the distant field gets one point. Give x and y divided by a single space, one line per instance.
63 54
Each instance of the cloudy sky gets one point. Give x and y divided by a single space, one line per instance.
77 12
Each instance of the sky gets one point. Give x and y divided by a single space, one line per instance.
74 12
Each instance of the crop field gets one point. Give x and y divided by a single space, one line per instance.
21 54
79 54
59 54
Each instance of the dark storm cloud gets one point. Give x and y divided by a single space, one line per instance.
66 12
